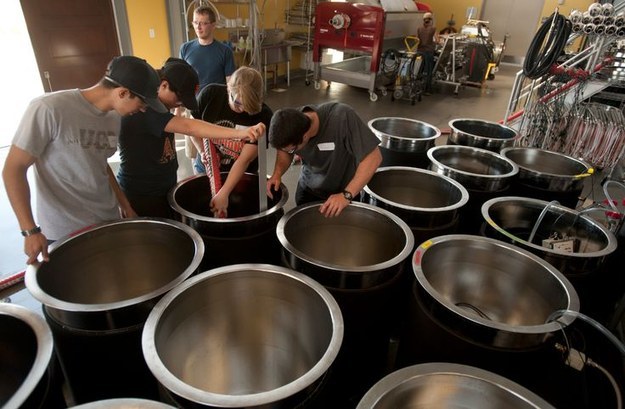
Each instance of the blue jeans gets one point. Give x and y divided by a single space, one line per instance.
198 166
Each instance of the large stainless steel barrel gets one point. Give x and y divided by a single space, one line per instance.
446 385
28 378
483 173
244 336
497 294
359 256
429 203
486 303
404 141
362 248
513 219
548 175
127 403
98 289
481 134
247 235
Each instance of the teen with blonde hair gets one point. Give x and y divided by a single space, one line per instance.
237 104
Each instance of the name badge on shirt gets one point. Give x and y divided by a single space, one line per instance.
326 146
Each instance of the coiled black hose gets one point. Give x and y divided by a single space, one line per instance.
544 51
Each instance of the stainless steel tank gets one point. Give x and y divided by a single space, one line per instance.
404 141
29 377
513 219
429 203
244 336
483 173
247 235
498 295
548 175
486 303
124 403
97 290
483 134
360 257
447 385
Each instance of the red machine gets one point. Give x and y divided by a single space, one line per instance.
364 30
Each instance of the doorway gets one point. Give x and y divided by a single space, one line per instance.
73 41
20 74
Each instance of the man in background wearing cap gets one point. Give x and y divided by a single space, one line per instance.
149 163
428 37
68 136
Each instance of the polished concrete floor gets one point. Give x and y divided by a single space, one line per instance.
487 103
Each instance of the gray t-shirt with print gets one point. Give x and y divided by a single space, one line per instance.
331 157
71 140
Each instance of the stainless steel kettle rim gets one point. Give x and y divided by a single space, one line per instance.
421 374
34 287
463 191
41 361
173 383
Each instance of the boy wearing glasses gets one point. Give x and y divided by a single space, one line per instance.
212 59
339 153
68 136
238 104
149 163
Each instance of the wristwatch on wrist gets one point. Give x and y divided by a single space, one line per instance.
31 232
348 195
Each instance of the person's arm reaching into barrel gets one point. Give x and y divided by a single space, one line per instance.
335 204
202 129
283 162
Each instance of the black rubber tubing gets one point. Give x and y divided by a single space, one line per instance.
543 52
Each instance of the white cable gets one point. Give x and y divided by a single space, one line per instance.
540 219
617 389
607 194
560 313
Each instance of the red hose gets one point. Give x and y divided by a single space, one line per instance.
565 87
12 280
212 168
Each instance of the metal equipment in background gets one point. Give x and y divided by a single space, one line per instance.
408 78
470 57
362 31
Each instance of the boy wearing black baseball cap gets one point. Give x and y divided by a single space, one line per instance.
68 136
149 164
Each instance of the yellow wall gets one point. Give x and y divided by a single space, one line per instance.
443 9
143 16
566 8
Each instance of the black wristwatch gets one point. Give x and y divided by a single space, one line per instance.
348 195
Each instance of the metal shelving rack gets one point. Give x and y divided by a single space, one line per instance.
302 14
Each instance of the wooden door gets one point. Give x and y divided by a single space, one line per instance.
73 40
